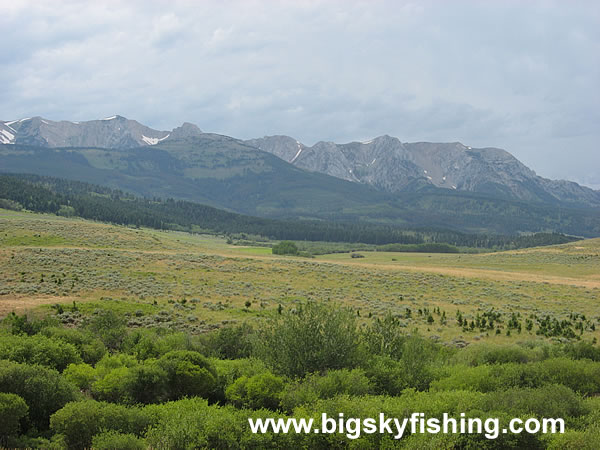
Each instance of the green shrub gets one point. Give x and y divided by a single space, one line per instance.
418 354
576 439
192 423
151 343
40 350
233 342
12 409
385 337
386 375
315 387
66 211
142 383
10 204
109 327
315 338
146 383
90 348
23 325
583 350
414 369
229 370
285 248
80 375
259 391
26 441
581 376
43 389
552 400
431 404
111 440
112 377
188 374
121 378
478 354
79 422
479 441
115 361
113 387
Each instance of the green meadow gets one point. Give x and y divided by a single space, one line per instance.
65 260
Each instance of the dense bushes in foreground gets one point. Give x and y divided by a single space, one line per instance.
82 387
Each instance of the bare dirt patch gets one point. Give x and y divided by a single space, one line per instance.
21 304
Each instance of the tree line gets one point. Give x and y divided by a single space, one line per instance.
74 198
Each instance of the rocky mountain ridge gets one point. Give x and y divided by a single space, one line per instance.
111 132
393 166
384 162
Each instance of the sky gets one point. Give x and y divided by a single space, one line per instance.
523 76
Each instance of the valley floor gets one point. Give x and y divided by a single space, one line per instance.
197 282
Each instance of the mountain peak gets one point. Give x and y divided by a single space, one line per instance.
387 164
186 130
387 138
284 147
110 132
116 117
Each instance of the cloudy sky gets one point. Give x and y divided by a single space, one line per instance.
524 76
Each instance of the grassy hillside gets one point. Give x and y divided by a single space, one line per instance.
223 172
47 259
73 198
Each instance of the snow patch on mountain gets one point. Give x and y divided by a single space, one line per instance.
154 141
6 137
297 154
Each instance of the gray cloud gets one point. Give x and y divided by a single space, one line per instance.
522 76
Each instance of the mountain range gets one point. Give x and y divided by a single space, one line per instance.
111 132
382 180
393 166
